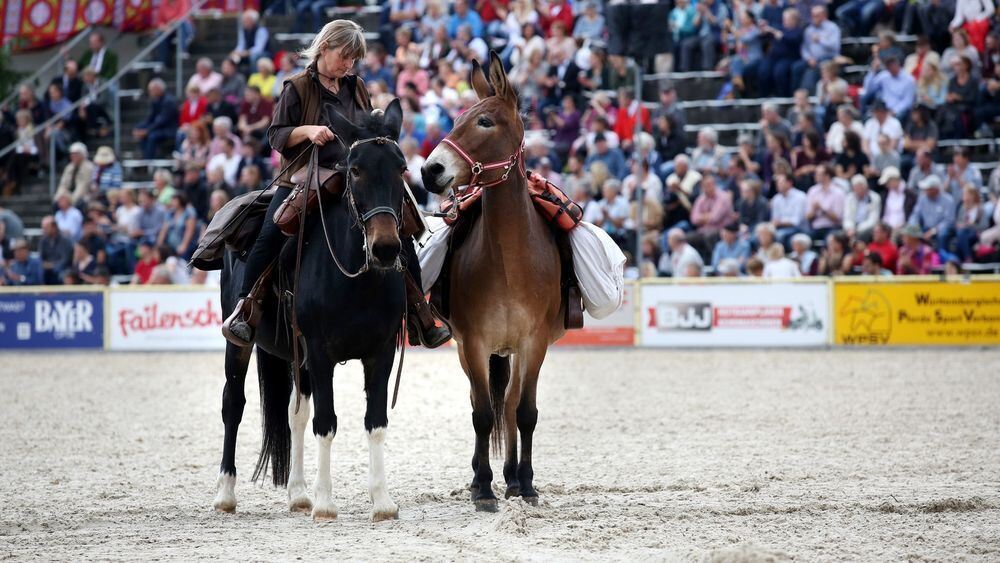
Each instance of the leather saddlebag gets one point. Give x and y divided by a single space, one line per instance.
286 217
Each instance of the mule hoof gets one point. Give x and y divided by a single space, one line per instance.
301 504
383 516
514 491
486 505
532 500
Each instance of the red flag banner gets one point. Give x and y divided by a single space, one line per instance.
35 24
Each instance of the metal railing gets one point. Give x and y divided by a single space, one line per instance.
110 84
63 52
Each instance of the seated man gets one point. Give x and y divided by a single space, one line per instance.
681 255
23 269
731 247
934 214
255 114
712 211
252 39
824 204
161 124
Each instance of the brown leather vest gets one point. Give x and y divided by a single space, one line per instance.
310 96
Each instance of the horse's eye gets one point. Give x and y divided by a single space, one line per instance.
355 172
484 122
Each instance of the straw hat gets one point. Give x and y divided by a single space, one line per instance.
104 156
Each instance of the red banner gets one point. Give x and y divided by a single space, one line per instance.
35 24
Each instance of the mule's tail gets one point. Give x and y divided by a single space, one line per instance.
276 442
499 378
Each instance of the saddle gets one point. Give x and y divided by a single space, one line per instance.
461 227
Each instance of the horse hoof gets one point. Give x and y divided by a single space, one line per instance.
532 500
324 514
225 498
301 504
486 505
514 491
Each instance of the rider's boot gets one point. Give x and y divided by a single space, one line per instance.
420 324
241 325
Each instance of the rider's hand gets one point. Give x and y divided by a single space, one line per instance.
320 135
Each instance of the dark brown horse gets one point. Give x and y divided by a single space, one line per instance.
505 298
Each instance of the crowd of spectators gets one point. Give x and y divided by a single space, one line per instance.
848 179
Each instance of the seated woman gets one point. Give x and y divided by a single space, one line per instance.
333 53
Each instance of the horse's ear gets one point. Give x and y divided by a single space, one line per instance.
343 128
393 118
478 81
498 78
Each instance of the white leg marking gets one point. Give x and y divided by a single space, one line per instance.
298 495
382 506
323 508
225 496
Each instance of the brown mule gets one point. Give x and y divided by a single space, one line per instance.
505 297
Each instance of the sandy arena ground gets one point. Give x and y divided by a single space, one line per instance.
740 456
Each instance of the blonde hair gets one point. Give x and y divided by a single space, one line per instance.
335 35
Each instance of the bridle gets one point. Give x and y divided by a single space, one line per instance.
359 218
478 168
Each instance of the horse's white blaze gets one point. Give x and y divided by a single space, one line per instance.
445 156
323 507
383 508
298 495
225 496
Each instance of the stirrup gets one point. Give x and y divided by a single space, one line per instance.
430 338
238 330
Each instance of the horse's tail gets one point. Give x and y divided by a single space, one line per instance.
499 378
276 442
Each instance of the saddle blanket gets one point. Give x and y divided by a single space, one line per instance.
598 264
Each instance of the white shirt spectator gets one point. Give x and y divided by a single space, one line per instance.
835 136
652 187
781 268
127 218
618 209
892 128
592 212
895 210
789 208
971 11
70 222
230 166
679 260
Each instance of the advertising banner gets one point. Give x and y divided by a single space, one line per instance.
778 314
934 312
166 320
617 329
51 320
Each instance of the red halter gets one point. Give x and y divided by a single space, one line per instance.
477 168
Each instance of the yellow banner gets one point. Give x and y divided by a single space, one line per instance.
900 312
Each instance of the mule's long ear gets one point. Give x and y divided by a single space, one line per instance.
498 78
478 81
344 129
393 118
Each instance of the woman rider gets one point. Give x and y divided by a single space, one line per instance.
302 117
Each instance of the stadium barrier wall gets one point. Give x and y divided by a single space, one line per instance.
700 313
